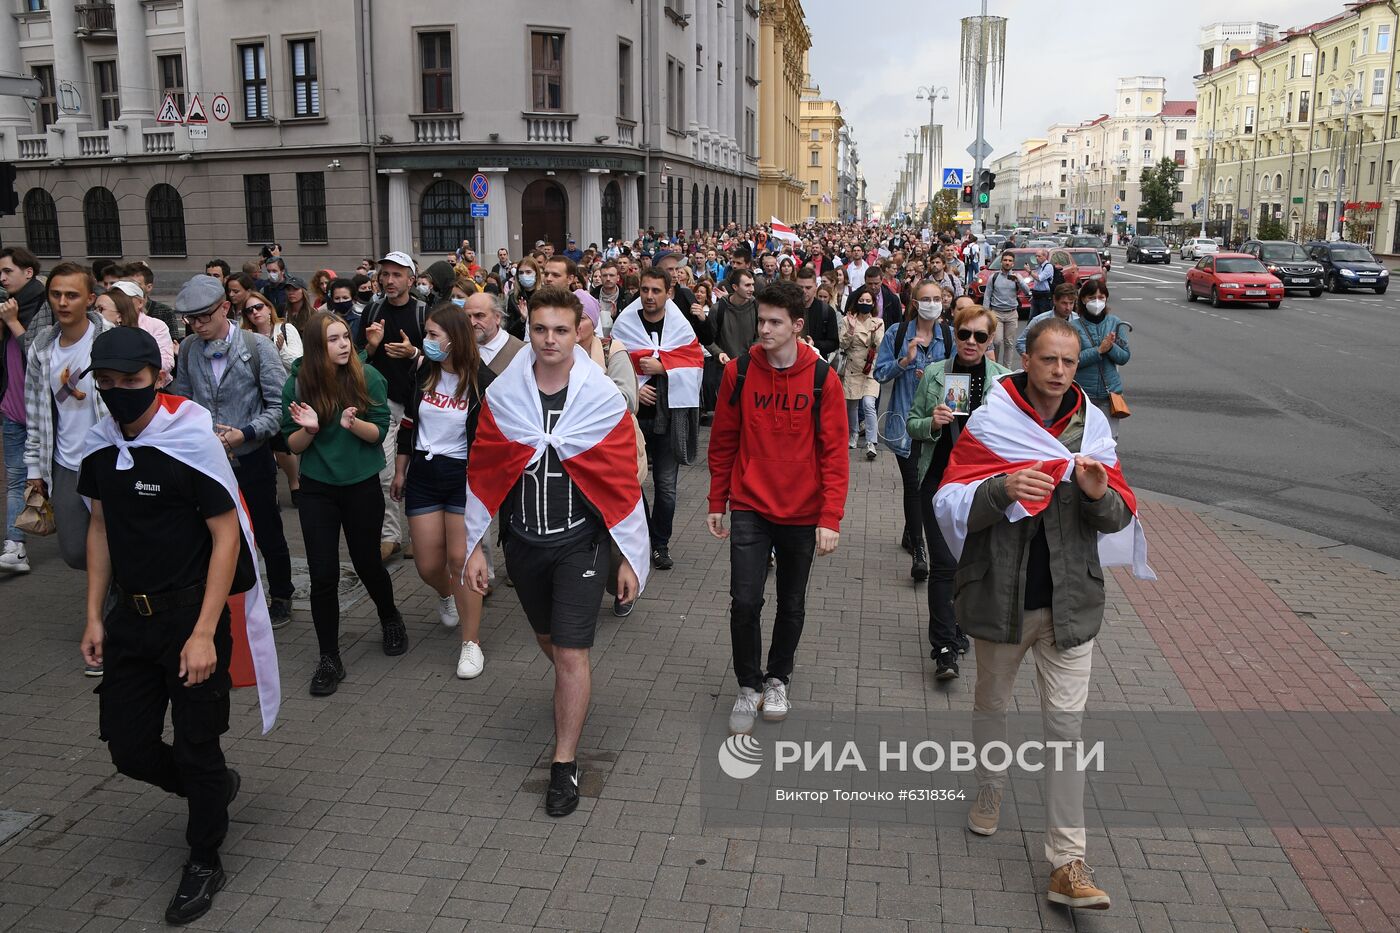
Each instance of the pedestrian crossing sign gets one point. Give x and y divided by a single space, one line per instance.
169 111
953 178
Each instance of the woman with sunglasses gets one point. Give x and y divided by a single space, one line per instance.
260 316
934 424
923 339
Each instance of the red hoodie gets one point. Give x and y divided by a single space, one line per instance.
767 459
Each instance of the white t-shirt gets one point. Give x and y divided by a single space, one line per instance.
442 420
76 411
488 350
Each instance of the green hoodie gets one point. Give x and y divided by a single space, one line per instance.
336 456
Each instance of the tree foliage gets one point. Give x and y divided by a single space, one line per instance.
1159 191
945 209
1271 228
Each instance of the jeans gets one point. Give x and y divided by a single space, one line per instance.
325 511
15 474
751 539
70 517
141 664
1041 302
1062 680
909 478
858 409
257 481
942 624
392 529
665 472
1004 346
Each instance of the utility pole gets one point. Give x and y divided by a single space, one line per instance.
1350 97
981 117
933 93
1210 179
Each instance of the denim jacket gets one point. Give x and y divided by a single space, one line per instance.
248 397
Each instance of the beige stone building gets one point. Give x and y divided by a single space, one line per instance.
783 44
823 129
342 128
1302 122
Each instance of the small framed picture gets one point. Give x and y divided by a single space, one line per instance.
957 392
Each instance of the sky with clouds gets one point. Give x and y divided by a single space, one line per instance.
1062 60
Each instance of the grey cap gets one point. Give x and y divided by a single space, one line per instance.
199 294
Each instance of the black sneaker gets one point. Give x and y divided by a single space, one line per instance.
281 612
964 644
906 543
562 797
395 635
947 660
195 895
920 569
623 610
661 559
329 673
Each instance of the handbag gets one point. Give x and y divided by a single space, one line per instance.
36 518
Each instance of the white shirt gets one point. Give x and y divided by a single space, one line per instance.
442 420
76 412
488 350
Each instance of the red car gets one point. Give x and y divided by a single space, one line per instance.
1234 277
1023 265
1079 265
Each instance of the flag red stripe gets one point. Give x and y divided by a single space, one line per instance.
496 461
607 472
688 356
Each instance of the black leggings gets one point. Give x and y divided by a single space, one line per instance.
909 477
942 625
325 511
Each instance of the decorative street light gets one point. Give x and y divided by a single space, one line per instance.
934 94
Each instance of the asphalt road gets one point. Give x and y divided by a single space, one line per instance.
1288 415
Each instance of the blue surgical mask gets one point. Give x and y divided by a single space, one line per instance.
459 302
434 351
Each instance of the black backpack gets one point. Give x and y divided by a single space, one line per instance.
819 374
944 329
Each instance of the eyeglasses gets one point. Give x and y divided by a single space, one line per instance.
203 318
981 336
252 308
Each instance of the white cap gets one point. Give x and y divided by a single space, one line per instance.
129 289
399 258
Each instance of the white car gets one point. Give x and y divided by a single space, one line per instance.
1196 247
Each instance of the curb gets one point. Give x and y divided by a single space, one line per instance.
1330 546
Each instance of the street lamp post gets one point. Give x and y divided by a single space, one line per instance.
1210 179
918 164
933 93
1349 98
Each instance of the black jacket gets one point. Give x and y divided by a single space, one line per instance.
820 324
31 301
894 308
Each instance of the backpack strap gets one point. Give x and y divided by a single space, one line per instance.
741 369
250 343
819 374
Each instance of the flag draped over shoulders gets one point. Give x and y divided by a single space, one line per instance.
678 350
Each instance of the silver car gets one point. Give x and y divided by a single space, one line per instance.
1196 247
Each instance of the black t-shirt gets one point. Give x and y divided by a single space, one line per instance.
653 329
398 373
548 508
949 435
155 515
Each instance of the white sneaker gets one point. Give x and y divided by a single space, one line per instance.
745 711
870 452
447 612
14 558
470 661
853 442
775 700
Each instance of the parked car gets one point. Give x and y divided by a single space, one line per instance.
1023 264
1148 249
1289 263
1233 277
1078 265
1348 265
1044 242
1091 241
1197 246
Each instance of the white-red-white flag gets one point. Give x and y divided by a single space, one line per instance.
677 348
184 430
1005 435
782 231
594 438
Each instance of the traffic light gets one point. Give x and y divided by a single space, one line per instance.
967 194
985 183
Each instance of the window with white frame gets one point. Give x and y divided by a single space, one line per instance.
1307 64
253 64
1377 87
306 85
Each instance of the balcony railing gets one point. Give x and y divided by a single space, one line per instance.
156 140
91 145
626 131
549 127
95 18
429 128
34 147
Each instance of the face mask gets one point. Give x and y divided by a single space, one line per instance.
527 280
1095 306
343 307
274 275
421 292
434 351
929 310
459 302
128 405
865 309
216 349
366 297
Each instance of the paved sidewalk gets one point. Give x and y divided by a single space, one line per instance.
412 801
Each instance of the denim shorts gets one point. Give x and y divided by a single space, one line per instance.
435 484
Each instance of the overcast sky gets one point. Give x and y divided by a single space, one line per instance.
1062 60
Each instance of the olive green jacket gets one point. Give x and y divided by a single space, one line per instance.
920 423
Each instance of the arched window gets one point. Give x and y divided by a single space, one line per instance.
706 214
724 219
716 206
444 217
1325 179
1230 186
694 206
103 223
612 211
1264 183
165 220
1147 136
41 223
1234 54
1278 182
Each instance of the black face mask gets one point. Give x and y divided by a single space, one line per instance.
366 297
128 405
343 307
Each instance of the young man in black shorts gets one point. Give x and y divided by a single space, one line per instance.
556 453
155 474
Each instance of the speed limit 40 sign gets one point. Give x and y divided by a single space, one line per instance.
219 108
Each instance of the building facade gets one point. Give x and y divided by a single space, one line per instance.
783 44
822 130
1003 203
849 180
1299 127
342 128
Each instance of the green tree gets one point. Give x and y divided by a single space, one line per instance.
1271 228
945 209
1159 191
